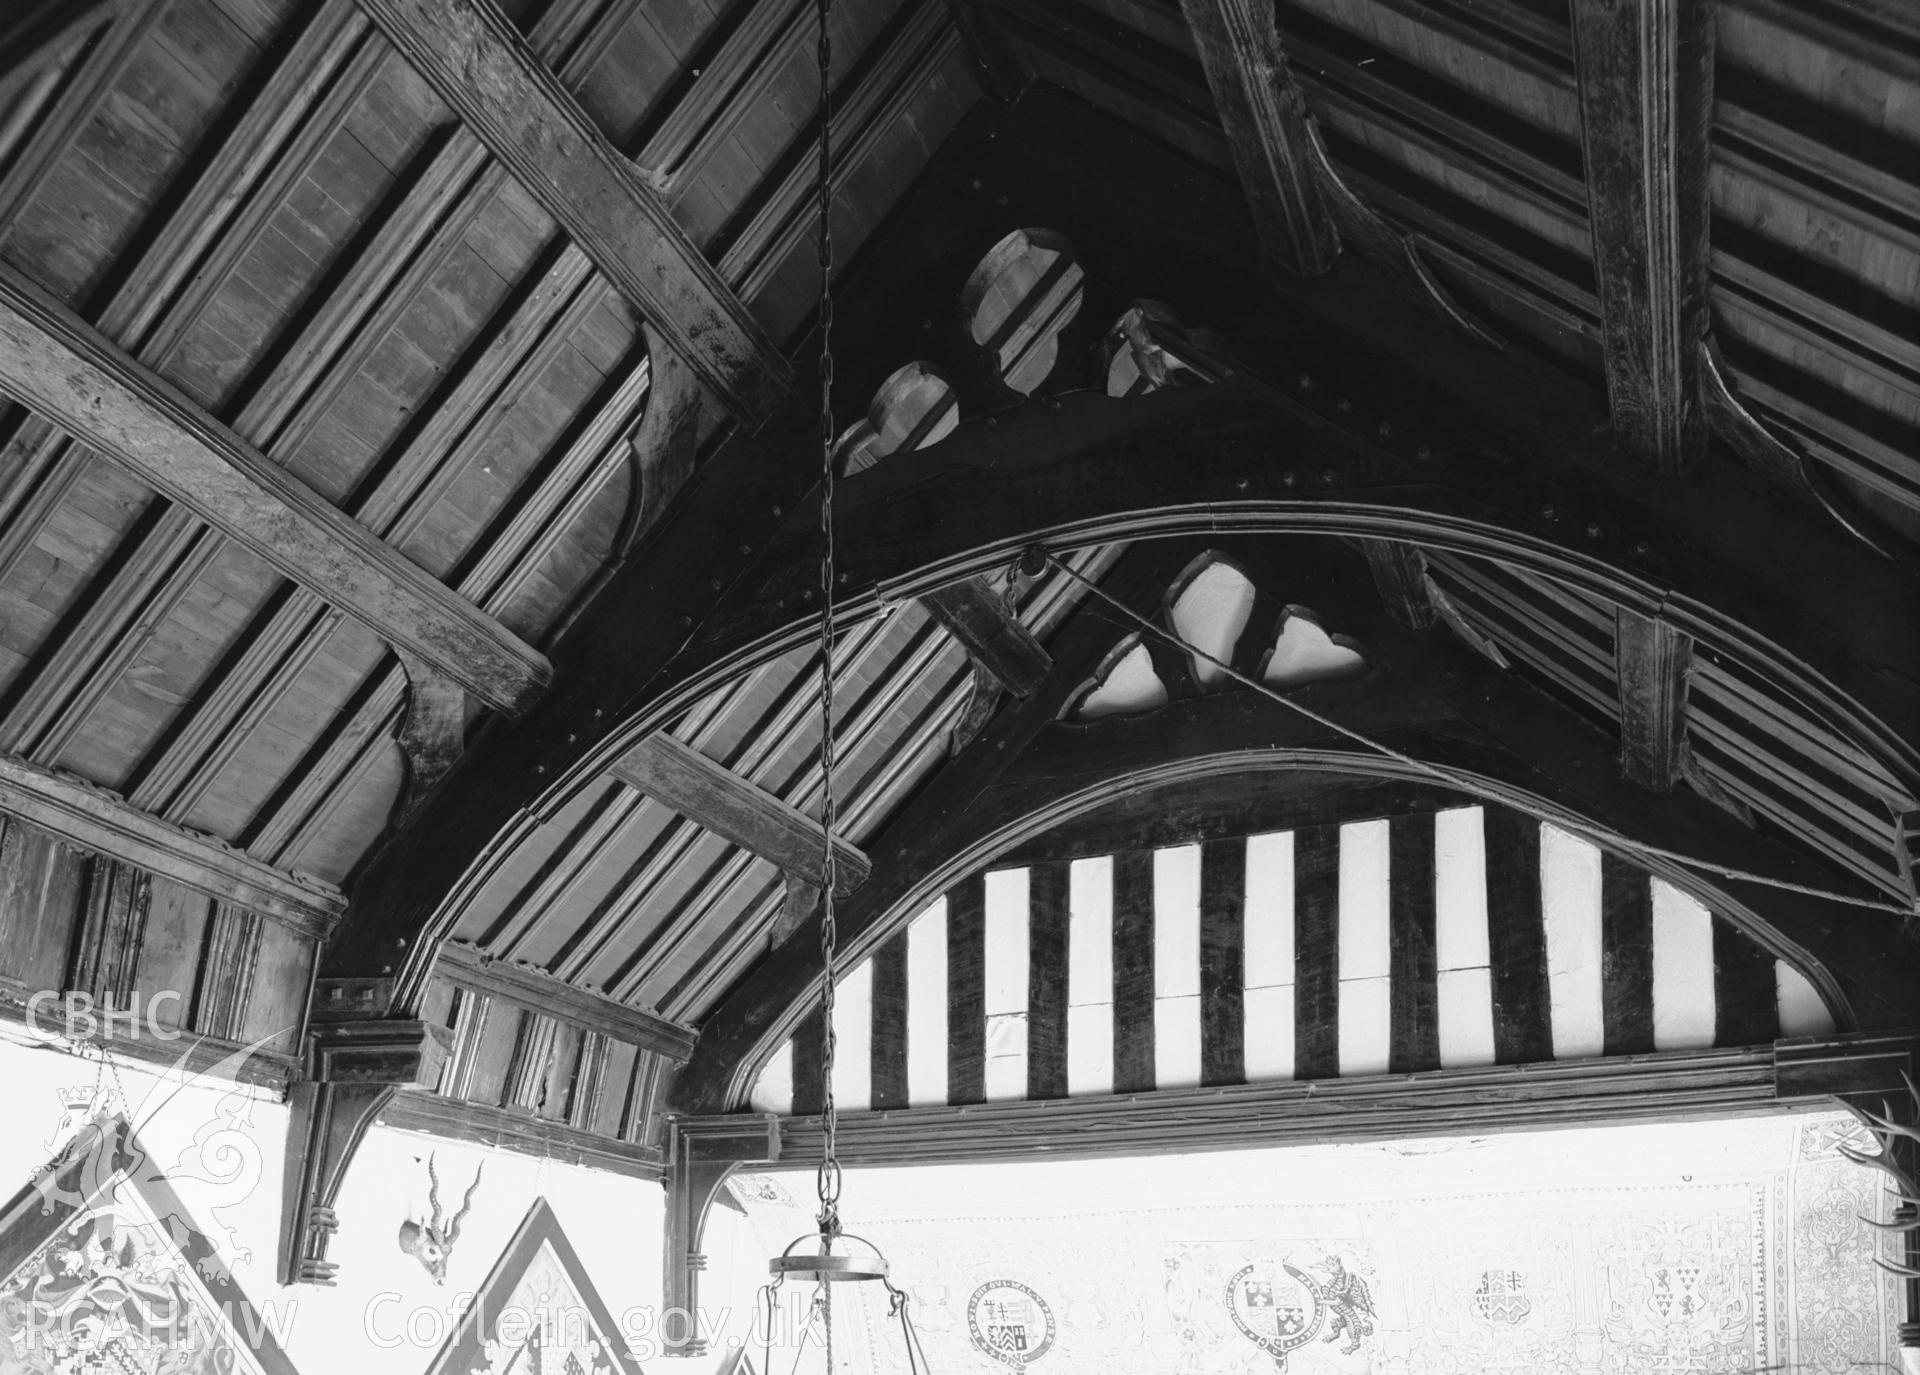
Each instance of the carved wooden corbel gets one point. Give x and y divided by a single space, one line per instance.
431 735
796 905
983 700
353 1068
681 415
701 1153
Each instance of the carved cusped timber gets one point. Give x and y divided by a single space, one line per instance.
353 1069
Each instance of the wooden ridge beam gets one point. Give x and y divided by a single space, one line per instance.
1646 105
94 819
710 795
468 967
58 365
1266 128
470 53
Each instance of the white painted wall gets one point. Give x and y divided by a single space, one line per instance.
360 1326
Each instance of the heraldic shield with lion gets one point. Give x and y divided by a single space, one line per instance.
1280 1307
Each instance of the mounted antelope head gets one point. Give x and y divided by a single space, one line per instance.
1886 1133
430 1242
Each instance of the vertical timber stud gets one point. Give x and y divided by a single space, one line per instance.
1646 103
1651 659
1266 127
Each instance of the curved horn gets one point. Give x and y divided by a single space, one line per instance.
466 1204
1882 1161
433 1194
1911 1225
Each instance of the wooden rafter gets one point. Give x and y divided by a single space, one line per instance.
470 52
1646 106
1267 130
55 363
712 796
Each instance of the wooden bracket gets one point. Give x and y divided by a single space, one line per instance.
996 641
353 1068
701 1153
431 735
1000 71
983 700
797 904
680 417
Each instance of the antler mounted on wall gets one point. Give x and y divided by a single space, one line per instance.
1887 1134
431 1243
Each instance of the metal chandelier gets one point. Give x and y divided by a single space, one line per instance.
829 1255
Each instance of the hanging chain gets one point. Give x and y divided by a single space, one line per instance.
829 1175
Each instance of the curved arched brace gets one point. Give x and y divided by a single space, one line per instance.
1430 700
737 1043
1088 470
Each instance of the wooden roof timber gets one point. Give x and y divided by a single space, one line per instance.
1267 130
1428 698
1646 104
65 370
1679 1086
713 796
474 57
1461 125
1081 469
318 70
38 36
95 819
